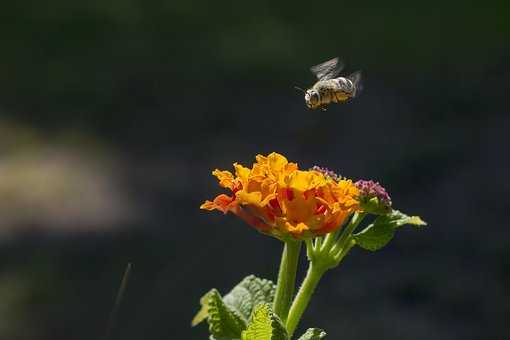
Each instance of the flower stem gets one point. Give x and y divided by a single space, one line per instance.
303 297
286 278
346 235
323 256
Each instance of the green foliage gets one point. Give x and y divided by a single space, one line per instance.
397 219
313 334
229 316
224 324
249 293
245 313
265 325
375 236
204 310
379 233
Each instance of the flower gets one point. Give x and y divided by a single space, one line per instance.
278 199
373 197
328 173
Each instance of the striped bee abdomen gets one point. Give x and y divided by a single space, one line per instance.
334 90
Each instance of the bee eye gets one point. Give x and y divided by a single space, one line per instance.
314 98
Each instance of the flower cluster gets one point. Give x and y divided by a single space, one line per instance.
373 197
370 189
277 198
326 172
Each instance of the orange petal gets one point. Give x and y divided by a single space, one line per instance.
222 202
246 215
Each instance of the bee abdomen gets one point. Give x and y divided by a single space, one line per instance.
341 96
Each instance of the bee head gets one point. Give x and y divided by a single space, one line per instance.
312 99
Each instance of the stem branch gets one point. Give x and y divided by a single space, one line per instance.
303 297
346 235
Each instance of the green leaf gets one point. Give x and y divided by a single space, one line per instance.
397 219
241 300
375 236
250 292
379 233
224 324
265 325
313 334
204 310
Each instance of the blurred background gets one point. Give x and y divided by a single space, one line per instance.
113 114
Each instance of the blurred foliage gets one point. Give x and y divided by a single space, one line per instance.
62 182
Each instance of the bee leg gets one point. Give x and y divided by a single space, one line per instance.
323 108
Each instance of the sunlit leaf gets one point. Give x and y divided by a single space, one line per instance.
265 325
204 310
250 292
313 334
379 233
223 322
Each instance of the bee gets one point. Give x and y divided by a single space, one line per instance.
330 88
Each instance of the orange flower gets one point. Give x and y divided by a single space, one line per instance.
277 198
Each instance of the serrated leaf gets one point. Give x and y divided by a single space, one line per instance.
379 233
313 334
250 292
224 324
416 220
204 310
397 219
375 236
265 325
240 301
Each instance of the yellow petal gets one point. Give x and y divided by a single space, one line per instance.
225 178
298 208
296 229
276 163
253 198
242 173
305 180
261 159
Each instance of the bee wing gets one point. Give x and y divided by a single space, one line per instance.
328 69
356 81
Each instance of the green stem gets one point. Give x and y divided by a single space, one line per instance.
346 235
303 297
345 250
286 278
324 255
329 240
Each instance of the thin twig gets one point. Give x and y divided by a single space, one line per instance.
118 300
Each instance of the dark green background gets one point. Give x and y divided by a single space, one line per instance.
169 90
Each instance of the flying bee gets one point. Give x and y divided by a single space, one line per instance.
330 88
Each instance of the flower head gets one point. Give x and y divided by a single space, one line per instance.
373 197
277 198
327 173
